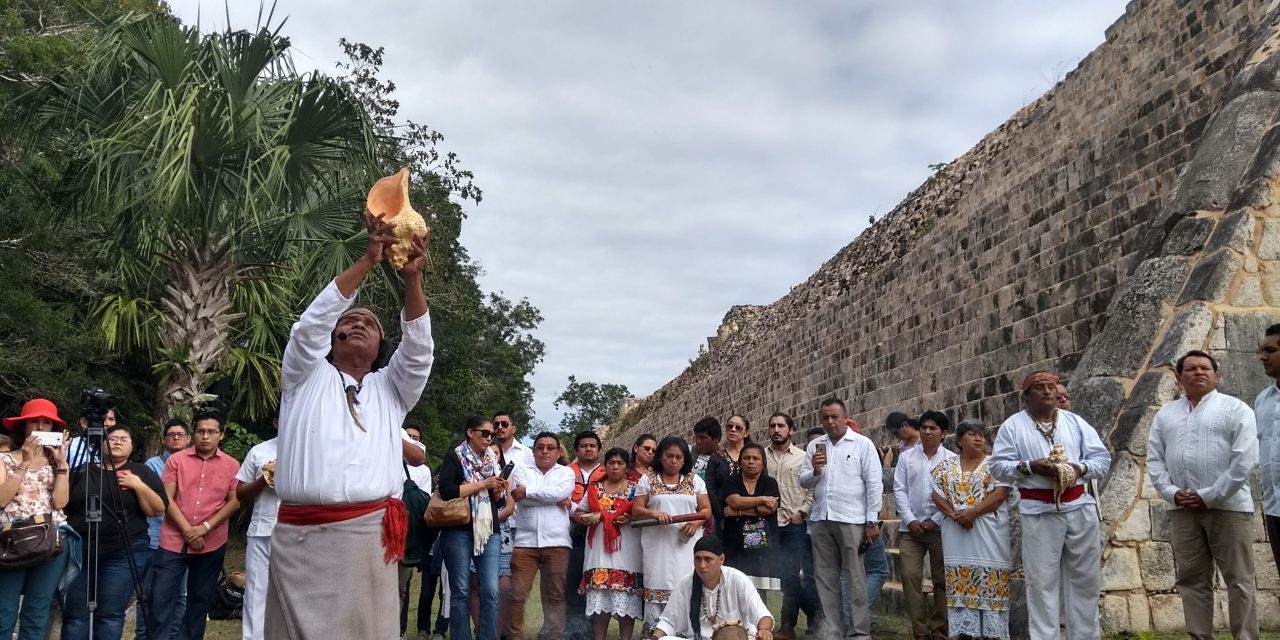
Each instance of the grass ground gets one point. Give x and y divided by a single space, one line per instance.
889 627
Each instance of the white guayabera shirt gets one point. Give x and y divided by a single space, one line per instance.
1267 409
1211 449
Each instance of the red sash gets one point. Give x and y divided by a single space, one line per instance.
1046 495
395 520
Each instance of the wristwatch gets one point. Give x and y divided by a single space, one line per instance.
1024 468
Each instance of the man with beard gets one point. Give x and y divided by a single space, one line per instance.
799 592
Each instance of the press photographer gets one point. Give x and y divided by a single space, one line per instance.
127 493
32 494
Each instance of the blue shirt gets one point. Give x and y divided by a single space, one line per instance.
156 464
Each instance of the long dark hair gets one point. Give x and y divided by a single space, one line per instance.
667 443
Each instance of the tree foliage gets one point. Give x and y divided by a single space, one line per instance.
151 175
588 404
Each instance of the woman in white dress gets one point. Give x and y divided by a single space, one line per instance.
611 575
976 538
670 489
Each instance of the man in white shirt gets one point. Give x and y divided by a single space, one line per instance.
340 529
843 469
799 592
421 477
542 536
713 597
1267 410
1059 544
256 485
920 529
1201 451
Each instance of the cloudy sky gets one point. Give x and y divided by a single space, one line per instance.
647 165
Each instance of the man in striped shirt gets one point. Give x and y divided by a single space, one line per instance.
1201 451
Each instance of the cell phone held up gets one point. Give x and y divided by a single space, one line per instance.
506 471
48 438
820 447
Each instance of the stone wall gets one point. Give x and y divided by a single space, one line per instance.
1124 217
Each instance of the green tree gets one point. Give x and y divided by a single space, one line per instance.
214 166
588 404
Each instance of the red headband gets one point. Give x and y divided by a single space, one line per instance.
1037 378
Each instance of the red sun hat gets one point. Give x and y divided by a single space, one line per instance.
34 410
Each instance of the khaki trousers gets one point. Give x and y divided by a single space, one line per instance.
835 554
1202 539
912 550
553 564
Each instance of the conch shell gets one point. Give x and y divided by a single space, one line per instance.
1066 473
390 198
269 473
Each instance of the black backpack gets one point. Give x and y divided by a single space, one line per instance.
227 601
419 538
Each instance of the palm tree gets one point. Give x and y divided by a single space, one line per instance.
215 166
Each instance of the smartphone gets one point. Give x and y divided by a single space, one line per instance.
48 438
506 471
820 448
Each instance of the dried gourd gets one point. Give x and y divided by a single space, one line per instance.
389 197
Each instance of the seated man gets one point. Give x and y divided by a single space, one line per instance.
716 596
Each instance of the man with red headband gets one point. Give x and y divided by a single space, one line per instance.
340 529
1059 543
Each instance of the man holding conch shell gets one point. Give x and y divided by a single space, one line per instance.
340 529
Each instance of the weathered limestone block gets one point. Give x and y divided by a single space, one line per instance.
1114 612
1166 612
1257 188
1234 231
1153 389
1211 280
1189 330
1225 151
1098 401
1132 429
1156 561
1265 567
1187 237
1271 284
1137 527
1249 294
1120 570
1120 488
1136 310
1139 613
1269 246
1268 608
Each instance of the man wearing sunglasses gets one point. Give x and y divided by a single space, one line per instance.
510 449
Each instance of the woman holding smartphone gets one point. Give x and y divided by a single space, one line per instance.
34 487
129 493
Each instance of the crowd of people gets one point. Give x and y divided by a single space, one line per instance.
684 541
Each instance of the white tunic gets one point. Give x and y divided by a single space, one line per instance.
913 485
733 600
1211 449
1267 408
324 458
267 503
1019 441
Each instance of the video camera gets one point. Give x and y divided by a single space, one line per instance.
95 402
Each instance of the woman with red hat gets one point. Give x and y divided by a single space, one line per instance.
34 485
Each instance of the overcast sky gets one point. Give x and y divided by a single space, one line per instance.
647 165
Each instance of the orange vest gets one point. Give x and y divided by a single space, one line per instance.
580 487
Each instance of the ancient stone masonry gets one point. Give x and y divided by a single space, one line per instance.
1128 215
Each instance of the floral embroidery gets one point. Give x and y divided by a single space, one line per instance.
977 587
658 488
610 580
657 596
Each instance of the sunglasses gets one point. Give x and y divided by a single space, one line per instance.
485 433
737 427
502 423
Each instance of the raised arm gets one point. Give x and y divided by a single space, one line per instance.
410 365
309 340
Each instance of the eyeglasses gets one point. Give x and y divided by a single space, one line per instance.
181 434
121 440
546 448
484 433
647 449
208 432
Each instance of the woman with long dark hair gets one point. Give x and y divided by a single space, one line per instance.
471 471
750 520
669 489
642 453
34 487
